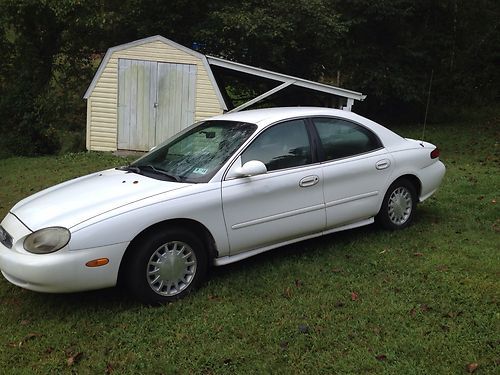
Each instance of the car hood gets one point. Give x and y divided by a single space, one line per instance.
75 201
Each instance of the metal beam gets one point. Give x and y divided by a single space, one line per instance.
263 96
348 106
252 70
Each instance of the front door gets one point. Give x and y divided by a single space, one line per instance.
283 204
155 101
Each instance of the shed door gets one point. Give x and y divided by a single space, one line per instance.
155 101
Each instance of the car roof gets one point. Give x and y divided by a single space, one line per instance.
264 117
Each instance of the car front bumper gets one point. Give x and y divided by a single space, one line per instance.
63 271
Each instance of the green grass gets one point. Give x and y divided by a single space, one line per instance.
426 298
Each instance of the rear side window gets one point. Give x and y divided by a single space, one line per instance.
341 138
284 145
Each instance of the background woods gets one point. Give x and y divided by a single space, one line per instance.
386 49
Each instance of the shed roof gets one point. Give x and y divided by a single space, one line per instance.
155 38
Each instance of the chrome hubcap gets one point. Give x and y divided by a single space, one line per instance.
171 268
400 205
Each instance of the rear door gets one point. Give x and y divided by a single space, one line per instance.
355 170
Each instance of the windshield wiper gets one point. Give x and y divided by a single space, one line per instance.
139 170
158 171
162 172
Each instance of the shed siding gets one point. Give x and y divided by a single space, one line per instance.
103 101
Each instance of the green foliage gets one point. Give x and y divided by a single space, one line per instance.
386 49
296 37
424 300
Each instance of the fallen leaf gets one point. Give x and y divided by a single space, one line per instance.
49 350
75 358
413 312
214 297
287 293
381 357
337 270
24 322
354 296
299 283
28 337
109 369
471 367
418 254
303 328
453 314
424 307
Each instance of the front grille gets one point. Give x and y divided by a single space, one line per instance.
5 238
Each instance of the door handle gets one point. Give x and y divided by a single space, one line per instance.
308 181
382 164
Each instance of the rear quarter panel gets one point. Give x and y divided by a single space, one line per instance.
413 158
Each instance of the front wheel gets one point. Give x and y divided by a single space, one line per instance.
398 205
165 266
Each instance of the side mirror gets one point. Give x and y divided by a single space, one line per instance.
251 168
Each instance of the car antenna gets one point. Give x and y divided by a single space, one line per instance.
427 107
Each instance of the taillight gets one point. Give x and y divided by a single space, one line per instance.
435 153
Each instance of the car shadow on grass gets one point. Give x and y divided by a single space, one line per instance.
114 298
340 243
117 299
312 248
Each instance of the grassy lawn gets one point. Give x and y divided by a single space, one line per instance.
422 300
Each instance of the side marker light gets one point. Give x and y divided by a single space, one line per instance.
97 262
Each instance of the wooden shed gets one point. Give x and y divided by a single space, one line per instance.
148 90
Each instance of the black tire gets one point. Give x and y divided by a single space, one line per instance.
398 206
166 266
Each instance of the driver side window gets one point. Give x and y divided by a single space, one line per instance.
284 145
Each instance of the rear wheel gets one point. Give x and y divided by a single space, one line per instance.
398 206
166 266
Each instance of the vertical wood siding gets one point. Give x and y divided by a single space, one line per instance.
137 86
103 101
176 99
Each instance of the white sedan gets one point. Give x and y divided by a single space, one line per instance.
222 190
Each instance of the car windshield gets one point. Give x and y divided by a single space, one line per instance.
195 155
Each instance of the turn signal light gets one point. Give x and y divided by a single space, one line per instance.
435 153
97 262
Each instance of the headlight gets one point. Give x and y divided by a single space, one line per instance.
47 240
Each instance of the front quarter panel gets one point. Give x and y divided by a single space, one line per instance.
200 202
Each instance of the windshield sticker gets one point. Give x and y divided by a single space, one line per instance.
200 170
